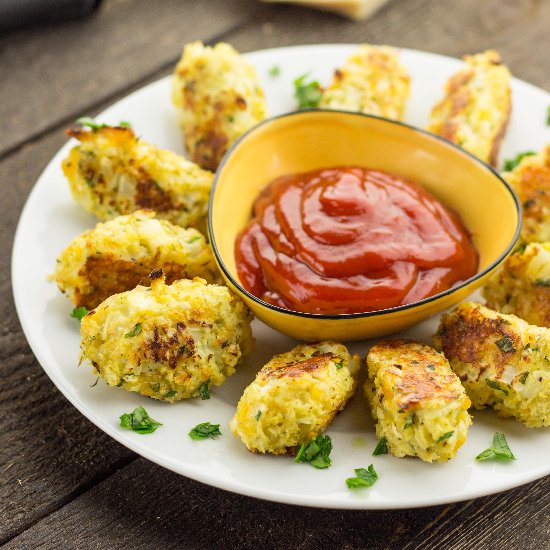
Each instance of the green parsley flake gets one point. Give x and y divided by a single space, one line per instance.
548 116
124 124
316 452
274 71
79 312
203 390
506 344
95 383
542 282
381 447
520 248
134 332
258 414
445 436
523 377
364 478
170 393
307 94
510 164
496 385
498 451
139 421
155 387
339 364
409 421
204 431
90 123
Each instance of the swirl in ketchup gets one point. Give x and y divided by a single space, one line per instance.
350 240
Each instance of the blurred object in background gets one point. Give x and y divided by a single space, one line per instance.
15 14
354 9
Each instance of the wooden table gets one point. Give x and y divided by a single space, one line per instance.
66 484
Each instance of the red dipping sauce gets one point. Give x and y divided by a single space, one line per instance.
351 240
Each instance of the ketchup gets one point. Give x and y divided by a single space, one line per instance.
350 240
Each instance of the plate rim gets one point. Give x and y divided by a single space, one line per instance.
233 485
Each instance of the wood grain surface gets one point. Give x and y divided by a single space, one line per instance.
63 482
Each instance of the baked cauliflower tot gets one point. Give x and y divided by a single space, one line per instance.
295 397
530 179
371 81
116 255
521 286
502 361
476 108
113 172
168 342
417 402
218 97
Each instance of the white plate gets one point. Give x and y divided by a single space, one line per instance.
51 219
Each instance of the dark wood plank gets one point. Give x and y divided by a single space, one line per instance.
515 519
59 72
146 507
48 451
518 29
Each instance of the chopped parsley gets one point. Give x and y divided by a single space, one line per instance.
94 125
506 344
430 367
90 123
496 385
381 447
203 390
139 421
542 282
155 387
510 164
445 436
79 312
204 431
364 478
170 393
339 364
498 451
274 71
520 248
548 115
134 332
523 377
193 239
307 94
409 421
95 383
257 415
316 452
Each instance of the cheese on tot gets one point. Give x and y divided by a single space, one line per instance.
521 286
371 81
295 397
218 97
417 402
116 255
475 110
530 179
168 342
502 361
113 172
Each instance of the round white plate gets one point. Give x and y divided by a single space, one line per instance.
51 219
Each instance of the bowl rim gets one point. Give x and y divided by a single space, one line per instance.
358 315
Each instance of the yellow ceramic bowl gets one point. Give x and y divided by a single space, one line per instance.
306 140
